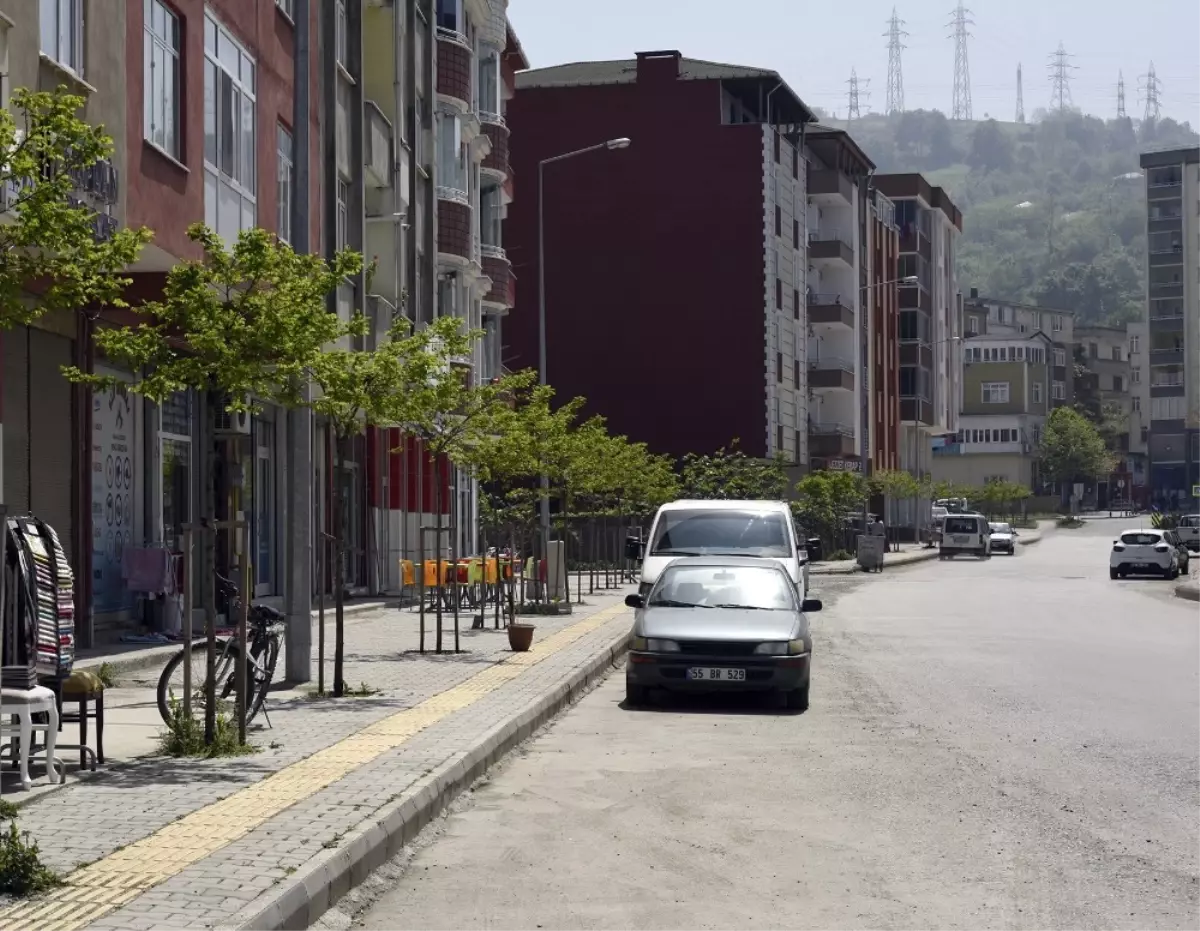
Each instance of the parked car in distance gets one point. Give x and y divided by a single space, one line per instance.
1143 552
1003 539
1189 531
759 529
721 624
965 533
1182 552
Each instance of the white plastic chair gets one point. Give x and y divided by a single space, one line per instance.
25 703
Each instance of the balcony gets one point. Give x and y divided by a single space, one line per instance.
1172 255
914 297
1171 189
915 241
1166 319
831 374
830 310
377 148
455 63
1168 355
496 161
830 440
829 187
1166 289
498 268
829 247
454 225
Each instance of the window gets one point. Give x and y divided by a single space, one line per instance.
1116 353
779 367
341 35
795 303
1135 375
1058 391
1118 383
796 373
796 175
779 439
778 220
1057 323
61 24
777 148
286 171
1037 392
285 7
972 325
451 165
779 294
229 133
343 215
995 392
795 234
1135 403
1094 350
1134 344
450 15
489 82
1060 358
160 107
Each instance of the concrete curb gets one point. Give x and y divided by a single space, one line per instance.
157 654
300 899
907 559
1188 590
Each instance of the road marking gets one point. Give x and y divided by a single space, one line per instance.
104 886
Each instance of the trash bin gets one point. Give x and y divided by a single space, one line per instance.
816 552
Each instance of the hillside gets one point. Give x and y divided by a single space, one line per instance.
1050 215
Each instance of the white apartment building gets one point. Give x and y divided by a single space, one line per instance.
835 293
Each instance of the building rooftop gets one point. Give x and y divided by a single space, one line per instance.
818 134
625 71
1190 156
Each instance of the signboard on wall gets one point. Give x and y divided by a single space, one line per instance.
115 487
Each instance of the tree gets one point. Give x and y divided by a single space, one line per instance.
1072 449
894 485
50 243
248 325
731 474
824 500
991 148
454 419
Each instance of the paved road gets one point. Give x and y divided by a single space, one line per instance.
1009 744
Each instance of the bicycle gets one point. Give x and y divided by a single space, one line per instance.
265 630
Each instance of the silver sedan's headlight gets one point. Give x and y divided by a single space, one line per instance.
781 648
654 645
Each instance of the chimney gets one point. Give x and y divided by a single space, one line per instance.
658 66
974 294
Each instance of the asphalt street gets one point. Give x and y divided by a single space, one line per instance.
1001 744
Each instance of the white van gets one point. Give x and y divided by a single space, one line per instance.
725 528
966 533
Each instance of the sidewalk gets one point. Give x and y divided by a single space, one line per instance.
913 552
269 840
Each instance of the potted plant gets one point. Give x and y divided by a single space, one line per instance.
520 636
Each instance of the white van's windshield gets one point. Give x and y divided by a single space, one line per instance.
721 533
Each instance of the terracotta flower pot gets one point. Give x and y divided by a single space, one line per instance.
520 637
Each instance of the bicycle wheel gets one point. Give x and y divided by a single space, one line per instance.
262 672
170 682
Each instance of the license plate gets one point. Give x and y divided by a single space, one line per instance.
1141 565
710 674
958 539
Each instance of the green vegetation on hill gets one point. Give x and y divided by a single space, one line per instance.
1053 212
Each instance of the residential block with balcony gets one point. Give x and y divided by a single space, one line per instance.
1171 360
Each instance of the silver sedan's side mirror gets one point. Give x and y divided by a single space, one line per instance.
810 604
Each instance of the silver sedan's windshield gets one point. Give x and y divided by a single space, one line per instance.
749 587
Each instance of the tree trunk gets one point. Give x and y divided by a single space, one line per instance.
339 568
455 522
208 546
437 549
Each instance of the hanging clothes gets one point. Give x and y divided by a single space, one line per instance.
39 605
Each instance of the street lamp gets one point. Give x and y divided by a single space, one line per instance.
621 142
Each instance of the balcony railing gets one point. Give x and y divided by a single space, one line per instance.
830 429
831 364
453 193
1167 380
486 116
487 250
823 298
833 236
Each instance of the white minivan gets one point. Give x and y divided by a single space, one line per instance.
966 533
763 529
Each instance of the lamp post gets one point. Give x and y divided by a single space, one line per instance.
621 142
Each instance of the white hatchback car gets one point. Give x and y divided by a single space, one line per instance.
1145 552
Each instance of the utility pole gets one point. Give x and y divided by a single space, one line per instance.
1020 96
1151 90
1120 95
895 88
1060 79
858 90
961 19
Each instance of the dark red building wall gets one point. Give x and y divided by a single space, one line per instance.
886 374
165 195
654 259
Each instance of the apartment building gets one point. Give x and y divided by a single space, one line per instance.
1139 409
883 333
1104 388
930 315
675 269
1173 324
837 283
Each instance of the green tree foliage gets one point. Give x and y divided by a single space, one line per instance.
825 499
731 474
47 240
1072 449
1053 210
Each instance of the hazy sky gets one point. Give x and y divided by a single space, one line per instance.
814 44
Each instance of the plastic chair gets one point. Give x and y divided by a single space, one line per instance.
408 578
24 704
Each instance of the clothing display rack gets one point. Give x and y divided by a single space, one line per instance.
38 621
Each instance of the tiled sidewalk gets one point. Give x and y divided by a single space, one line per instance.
183 843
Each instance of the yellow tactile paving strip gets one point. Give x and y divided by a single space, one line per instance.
101 887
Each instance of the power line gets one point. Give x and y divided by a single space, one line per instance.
1060 69
858 89
1150 89
1120 95
1020 96
895 88
961 109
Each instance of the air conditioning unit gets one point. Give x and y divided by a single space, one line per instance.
232 423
